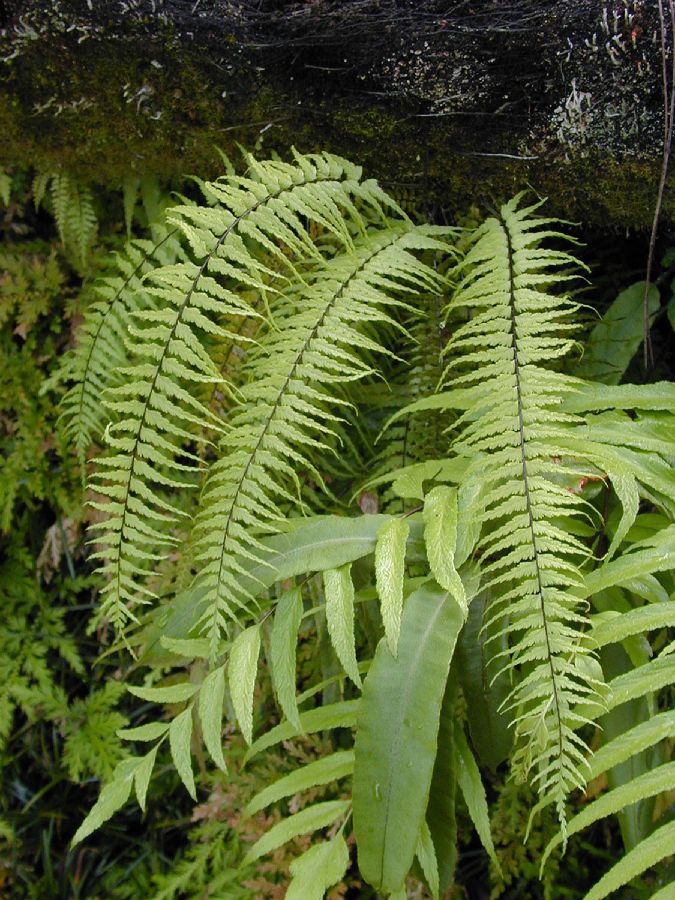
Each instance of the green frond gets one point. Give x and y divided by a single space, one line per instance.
74 214
96 362
508 433
288 405
257 240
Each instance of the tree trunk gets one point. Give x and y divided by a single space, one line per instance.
452 102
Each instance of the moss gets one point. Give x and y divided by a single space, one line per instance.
152 110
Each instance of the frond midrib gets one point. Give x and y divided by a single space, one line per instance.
526 486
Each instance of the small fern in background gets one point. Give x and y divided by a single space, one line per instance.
526 532
72 204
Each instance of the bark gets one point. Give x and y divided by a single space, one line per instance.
453 102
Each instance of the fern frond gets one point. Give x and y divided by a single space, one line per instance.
74 214
289 405
508 434
96 362
247 244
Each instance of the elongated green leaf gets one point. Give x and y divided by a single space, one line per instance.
426 854
471 784
211 696
175 693
318 869
440 535
654 555
632 741
142 775
311 819
588 396
338 715
389 573
323 771
648 784
149 732
287 617
112 797
635 820
650 851
440 813
241 672
190 648
180 735
626 489
396 736
667 892
637 621
645 679
339 593
484 687
616 338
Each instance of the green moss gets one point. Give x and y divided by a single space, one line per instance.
119 113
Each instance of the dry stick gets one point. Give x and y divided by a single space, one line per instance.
668 114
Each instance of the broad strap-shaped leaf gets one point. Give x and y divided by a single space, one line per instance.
242 670
441 812
389 574
484 685
318 869
396 736
339 594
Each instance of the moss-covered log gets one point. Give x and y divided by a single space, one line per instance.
451 101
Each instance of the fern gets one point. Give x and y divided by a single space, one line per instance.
96 363
73 207
285 409
529 483
508 434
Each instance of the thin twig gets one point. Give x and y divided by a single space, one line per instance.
668 114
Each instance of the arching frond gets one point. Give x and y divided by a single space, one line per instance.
257 240
96 362
288 405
